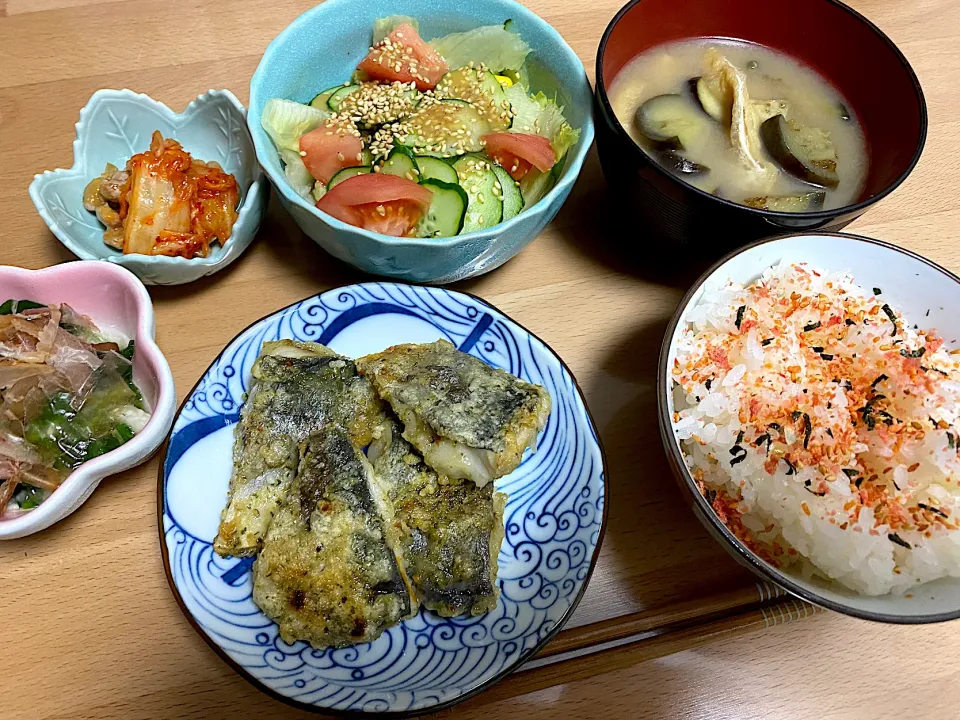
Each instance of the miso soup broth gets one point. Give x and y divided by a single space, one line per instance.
744 122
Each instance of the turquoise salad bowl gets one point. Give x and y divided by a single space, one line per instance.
323 46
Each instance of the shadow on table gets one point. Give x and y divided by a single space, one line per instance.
655 552
604 232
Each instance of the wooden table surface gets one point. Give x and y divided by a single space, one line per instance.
90 627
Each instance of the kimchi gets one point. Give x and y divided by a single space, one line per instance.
164 202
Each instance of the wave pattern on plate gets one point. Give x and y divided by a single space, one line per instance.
553 522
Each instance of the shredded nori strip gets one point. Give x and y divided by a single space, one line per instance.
765 438
708 383
850 472
880 379
791 468
951 441
807 429
711 495
847 385
739 437
775 426
935 511
796 415
766 342
850 321
811 326
807 483
829 431
876 291
887 417
893 317
739 458
813 492
817 349
826 356
740 311
928 313
893 537
858 482
913 353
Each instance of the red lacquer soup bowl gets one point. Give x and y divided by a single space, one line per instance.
837 42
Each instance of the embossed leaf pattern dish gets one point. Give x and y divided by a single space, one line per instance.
116 124
554 517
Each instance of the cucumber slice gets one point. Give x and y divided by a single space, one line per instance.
484 208
374 104
447 210
445 129
432 168
400 162
509 192
321 99
337 97
345 174
480 88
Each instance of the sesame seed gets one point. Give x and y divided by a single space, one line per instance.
303 154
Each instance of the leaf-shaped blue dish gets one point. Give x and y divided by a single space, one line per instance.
116 124
554 518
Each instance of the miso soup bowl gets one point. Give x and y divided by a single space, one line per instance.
838 43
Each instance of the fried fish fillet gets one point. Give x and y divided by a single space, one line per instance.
297 388
326 574
448 532
467 419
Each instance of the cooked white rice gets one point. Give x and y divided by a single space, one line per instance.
822 428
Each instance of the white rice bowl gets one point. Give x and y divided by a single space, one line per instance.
847 467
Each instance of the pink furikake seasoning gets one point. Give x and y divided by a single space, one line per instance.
821 425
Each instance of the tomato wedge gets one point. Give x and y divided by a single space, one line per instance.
332 146
517 152
404 57
386 204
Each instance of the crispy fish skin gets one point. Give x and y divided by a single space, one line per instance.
297 388
326 574
448 532
468 420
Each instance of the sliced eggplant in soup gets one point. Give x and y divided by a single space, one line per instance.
677 163
670 121
713 98
804 202
805 152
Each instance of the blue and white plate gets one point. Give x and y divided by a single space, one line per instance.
554 517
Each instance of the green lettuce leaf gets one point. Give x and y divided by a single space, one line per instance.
384 26
296 172
542 116
491 45
286 122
